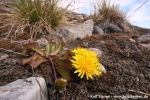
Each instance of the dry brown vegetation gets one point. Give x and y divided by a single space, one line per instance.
31 18
105 11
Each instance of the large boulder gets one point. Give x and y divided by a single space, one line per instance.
76 31
24 89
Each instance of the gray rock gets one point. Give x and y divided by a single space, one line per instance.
109 28
77 31
103 26
145 37
133 48
113 28
146 45
63 32
41 41
24 89
98 30
4 56
86 44
97 51
103 69
132 40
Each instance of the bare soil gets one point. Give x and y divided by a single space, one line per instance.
126 62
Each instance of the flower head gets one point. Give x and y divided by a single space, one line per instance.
86 62
61 82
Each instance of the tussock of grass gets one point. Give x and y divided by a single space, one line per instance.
104 11
32 17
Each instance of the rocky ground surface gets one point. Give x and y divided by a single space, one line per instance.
127 63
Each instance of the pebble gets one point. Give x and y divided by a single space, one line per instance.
97 51
4 56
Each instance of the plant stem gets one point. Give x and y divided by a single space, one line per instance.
53 68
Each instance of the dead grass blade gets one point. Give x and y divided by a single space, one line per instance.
139 92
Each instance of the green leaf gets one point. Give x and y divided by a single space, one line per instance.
39 51
64 72
48 48
37 60
58 46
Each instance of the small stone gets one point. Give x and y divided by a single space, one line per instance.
103 69
98 30
97 51
102 42
42 41
4 56
85 44
145 37
132 40
146 45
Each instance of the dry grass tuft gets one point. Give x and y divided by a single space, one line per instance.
104 11
32 18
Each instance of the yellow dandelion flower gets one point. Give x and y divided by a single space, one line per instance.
86 62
